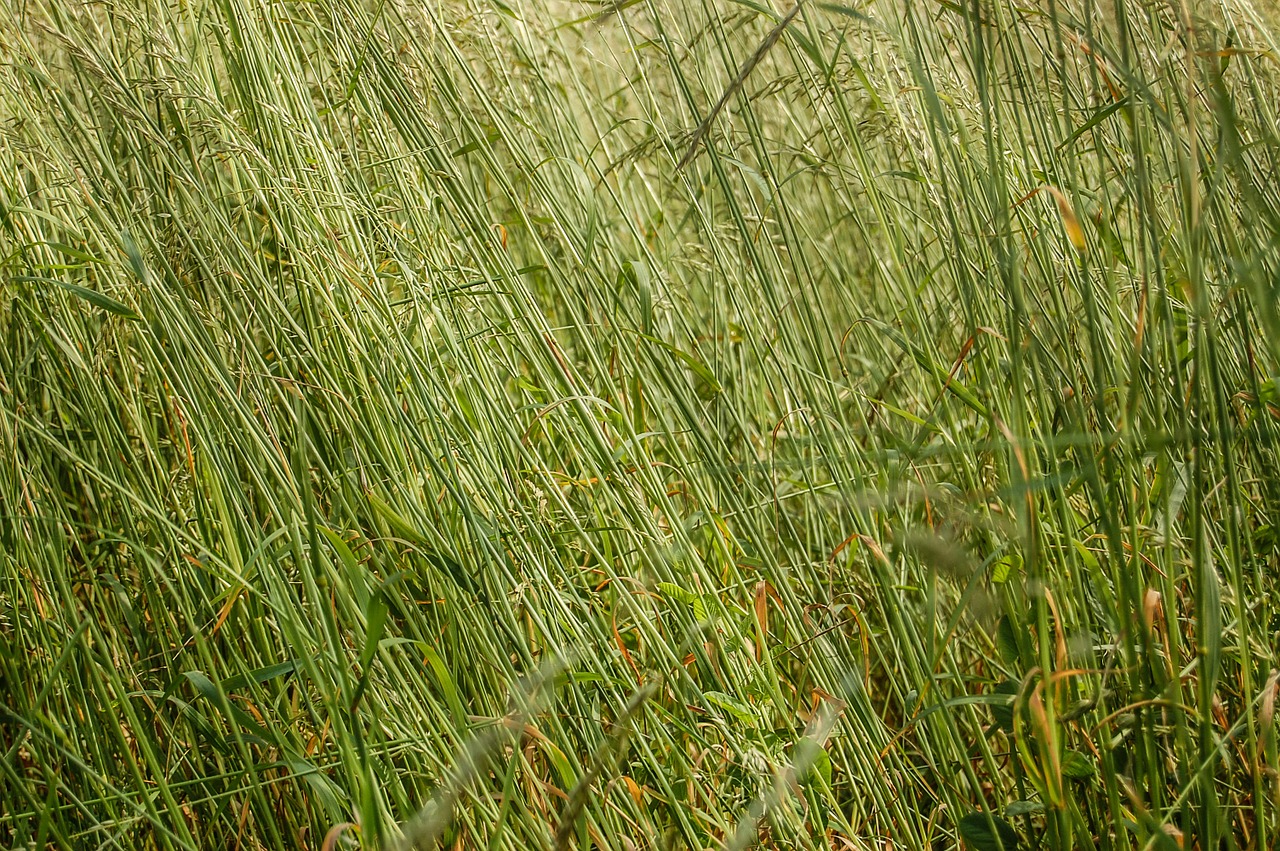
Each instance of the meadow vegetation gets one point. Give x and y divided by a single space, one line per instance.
666 424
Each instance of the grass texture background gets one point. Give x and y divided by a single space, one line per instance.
522 425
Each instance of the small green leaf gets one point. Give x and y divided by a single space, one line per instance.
585 677
1077 766
731 705
906 415
1007 640
204 685
455 570
820 767
688 598
674 592
1005 568
1002 712
325 789
986 832
375 616
1023 808
560 762
405 530
940 373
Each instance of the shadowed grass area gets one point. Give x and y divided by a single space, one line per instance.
653 425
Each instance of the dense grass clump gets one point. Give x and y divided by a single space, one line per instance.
508 424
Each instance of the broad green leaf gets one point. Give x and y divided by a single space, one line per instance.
325 789
1086 555
986 832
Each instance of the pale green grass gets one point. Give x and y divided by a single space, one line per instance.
397 446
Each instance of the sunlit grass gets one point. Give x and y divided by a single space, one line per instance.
645 425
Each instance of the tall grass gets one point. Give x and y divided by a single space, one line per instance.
400 450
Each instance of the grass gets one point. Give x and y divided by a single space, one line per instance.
400 450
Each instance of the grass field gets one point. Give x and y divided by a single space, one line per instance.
673 424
